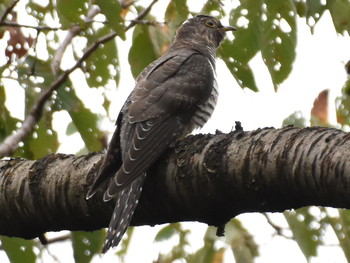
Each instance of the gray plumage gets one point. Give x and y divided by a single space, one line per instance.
174 95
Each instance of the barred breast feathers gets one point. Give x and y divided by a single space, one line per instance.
205 110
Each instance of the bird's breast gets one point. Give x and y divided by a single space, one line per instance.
204 110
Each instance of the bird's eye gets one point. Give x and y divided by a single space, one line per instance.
210 23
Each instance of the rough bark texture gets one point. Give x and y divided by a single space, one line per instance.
206 178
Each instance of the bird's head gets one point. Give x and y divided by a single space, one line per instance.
202 30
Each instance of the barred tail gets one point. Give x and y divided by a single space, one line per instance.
127 201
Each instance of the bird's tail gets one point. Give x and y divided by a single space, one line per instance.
127 201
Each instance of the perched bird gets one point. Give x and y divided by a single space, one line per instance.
173 96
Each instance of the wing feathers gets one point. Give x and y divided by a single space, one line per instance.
111 162
149 142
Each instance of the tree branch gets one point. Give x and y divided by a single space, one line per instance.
205 178
72 32
141 15
10 144
37 28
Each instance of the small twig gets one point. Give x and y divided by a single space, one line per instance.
73 31
57 239
146 22
278 229
38 28
8 10
141 15
10 144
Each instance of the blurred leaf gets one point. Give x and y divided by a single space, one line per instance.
241 241
18 250
106 102
84 120
86 245
38 10
340 12
237 53
142 50
296 119
341 227
343 105
165 233
98 65
7 122
213 6
306 230
208 252
178 251
319 111
18 45
35 76
314 11
112 10
300 7
71 129
159 40
176 13
43 141
278 38
71 12
125 242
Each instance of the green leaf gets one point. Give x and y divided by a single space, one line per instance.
302 224
240 70
207 253
166 233
341 227
241 241
300 7
35 76
18 250
278 38
125 242
343 105
86 245
43 141
71 12
142 51
71 129
7 122
213 6
103 65
296 119
314 11
84 120
237 53
175 14
340 12
112 10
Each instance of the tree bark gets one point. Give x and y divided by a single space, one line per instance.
205 178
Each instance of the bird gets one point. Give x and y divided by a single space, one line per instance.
173 96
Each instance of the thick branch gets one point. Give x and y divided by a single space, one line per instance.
206 178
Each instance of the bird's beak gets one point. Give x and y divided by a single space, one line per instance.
228 28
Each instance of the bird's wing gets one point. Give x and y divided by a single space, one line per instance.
161 106
171 85
150 140
111 162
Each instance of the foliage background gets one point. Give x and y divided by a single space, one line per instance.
34 38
